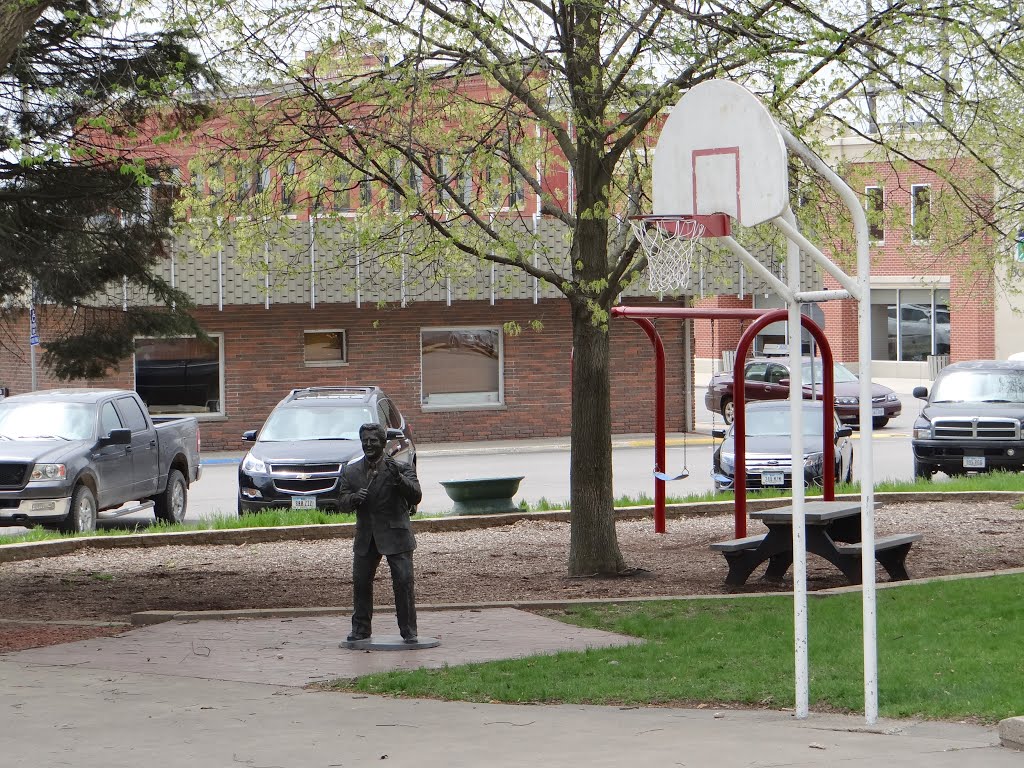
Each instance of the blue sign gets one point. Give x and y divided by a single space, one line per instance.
33 328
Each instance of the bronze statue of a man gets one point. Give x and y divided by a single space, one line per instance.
383 493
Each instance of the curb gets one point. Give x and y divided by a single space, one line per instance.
36 549
149 618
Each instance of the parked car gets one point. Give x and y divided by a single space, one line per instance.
971 421
71 456
767 378
768 458
309 437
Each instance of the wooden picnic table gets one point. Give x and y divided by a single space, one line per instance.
832 531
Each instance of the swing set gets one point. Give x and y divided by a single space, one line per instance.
643 316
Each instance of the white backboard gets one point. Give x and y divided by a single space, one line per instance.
720 151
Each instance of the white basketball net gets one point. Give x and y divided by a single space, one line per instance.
671 251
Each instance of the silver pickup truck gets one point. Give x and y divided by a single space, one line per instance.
71 456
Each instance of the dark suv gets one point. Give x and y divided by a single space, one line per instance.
298 455
972 420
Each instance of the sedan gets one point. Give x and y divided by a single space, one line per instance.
768 457
767 378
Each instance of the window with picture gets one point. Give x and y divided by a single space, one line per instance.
874 202
325 347
461 367
921 212
182 375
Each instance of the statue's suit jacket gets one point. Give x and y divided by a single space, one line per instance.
383 517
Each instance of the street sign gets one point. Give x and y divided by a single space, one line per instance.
33 328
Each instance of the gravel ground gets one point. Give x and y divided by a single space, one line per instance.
522 561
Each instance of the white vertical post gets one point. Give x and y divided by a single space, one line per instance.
312 262
359 288
867 478
220 278
266 275
796 405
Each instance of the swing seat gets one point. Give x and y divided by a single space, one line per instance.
683 474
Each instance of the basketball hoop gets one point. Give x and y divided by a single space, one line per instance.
671 245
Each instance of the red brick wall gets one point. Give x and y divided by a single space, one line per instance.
263 360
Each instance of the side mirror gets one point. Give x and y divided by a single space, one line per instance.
719 433
249 436
783 382
117 437
395 434
844 431
921 393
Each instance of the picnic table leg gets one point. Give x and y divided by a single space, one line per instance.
777 567
741 565
775 547
821 544
895 561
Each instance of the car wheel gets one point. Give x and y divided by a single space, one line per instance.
879 423
82 515
921 470
728 411
170 505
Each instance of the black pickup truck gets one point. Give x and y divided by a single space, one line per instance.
71 456
971 421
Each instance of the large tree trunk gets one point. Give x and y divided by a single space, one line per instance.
594 546
16 18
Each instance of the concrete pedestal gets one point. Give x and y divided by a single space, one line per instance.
390 643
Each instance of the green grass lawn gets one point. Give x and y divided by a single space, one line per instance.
946 650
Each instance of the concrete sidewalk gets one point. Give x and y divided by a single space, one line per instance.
230 692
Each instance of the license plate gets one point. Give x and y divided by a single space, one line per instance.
974 462
878 411
303 502
773 478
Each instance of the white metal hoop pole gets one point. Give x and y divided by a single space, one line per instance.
796 442
867 483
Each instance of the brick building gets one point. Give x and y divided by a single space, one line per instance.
441 344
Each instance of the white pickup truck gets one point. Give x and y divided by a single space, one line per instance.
71 456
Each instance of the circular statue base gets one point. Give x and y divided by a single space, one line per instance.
390 643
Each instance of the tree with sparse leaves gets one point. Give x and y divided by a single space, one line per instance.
463 107
81 224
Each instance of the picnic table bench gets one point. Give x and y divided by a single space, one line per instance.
832 531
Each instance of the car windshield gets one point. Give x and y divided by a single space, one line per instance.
841 374
317 423
45 421
979 387
772 423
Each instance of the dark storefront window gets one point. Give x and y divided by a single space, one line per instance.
910 324
180 375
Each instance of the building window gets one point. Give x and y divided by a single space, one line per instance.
909 323
287 177
920 213
325 347
874 202
461 367
180 375
342 198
